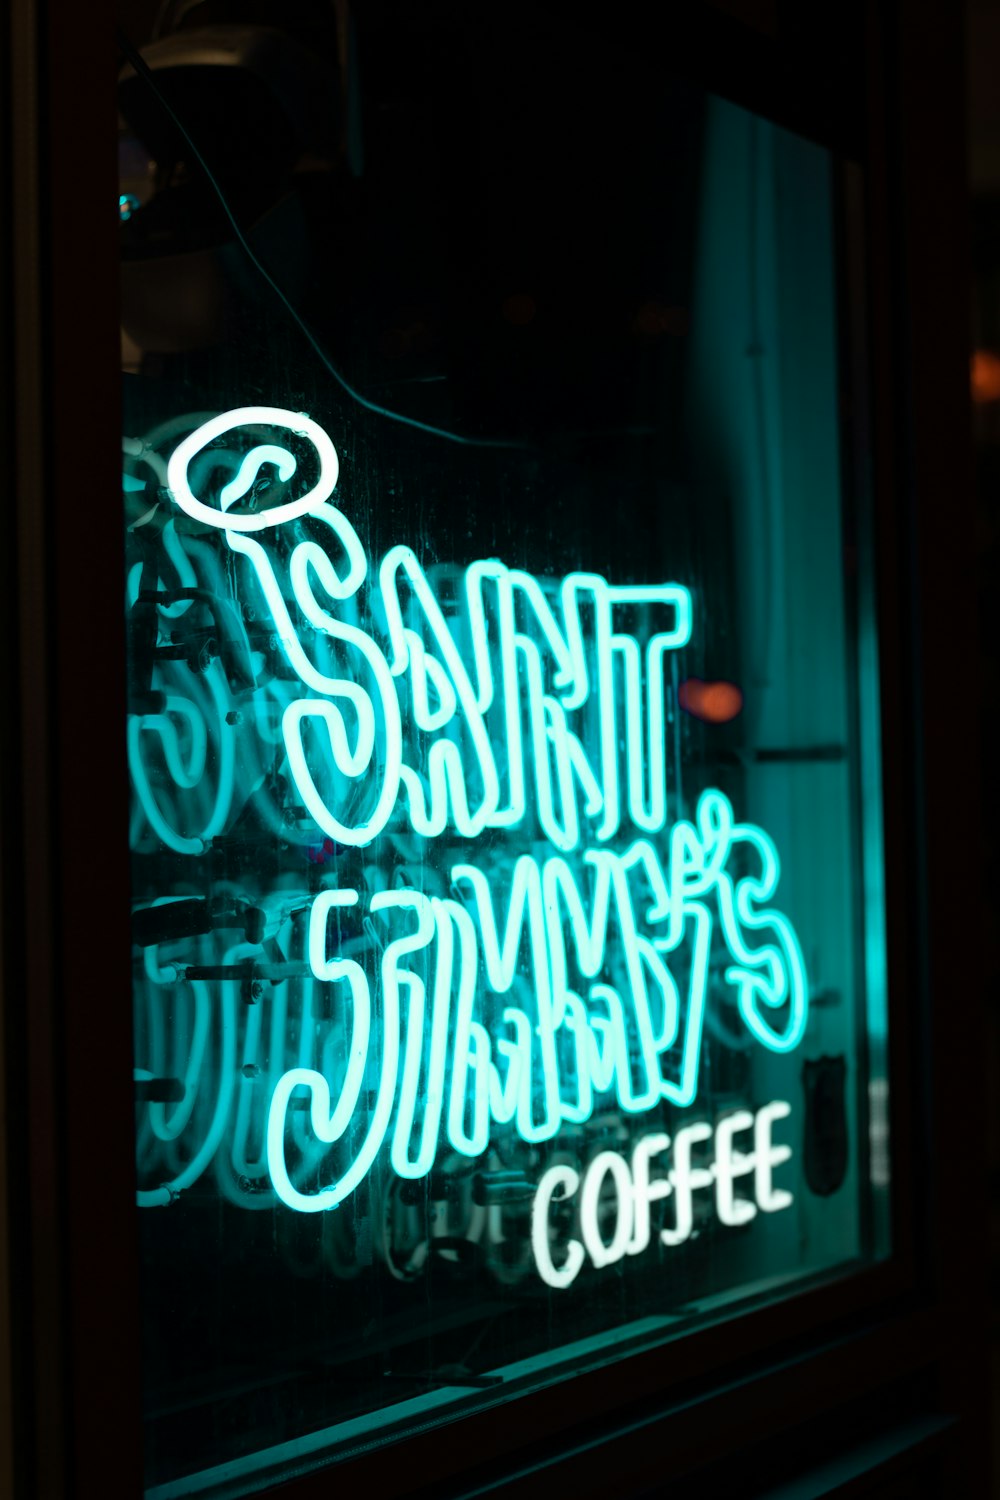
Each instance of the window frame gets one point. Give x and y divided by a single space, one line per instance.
75 1272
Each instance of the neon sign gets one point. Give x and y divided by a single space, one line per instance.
557 957
635 1188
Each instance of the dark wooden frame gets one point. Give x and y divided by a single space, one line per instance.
897 103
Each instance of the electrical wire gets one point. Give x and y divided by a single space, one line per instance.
143 71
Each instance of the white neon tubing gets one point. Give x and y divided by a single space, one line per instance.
559 1181
686 1179
431 1102
325 1120
253 416
332 971
543 677
190 776
158 1197
730 1164
445 772
606 1164
505 1078
767 1156
520 1076
307 558
646 1189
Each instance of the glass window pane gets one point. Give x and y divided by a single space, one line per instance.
503 733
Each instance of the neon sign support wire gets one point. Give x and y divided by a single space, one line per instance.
144 72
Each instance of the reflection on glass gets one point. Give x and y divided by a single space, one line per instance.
501 737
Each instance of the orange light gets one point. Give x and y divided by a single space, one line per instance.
519 309
654 319
713 702
985 376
